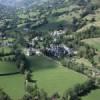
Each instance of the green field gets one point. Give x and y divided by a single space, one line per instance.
95 42
53 78
57 79
94 95
13 85
53 75
5 49
7 67
42 62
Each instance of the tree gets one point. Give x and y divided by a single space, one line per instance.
34 93
28 76
22 62
43 95
4 96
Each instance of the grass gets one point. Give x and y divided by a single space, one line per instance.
94 95
13 85
7 67
95 42
57 79
42 62
50 76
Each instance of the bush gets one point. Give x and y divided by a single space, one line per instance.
4 96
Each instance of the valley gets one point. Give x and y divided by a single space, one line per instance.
50 50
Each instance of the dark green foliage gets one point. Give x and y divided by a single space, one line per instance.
4 96
79 90
35 94
22 62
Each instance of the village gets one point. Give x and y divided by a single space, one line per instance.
53 50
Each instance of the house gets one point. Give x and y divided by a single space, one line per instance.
57 33
33 41
31 51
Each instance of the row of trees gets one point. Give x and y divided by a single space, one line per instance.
71 64
22 62
79 90
86 51
8 59
2 54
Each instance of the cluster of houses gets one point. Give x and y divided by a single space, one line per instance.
54 50
58 51
31 50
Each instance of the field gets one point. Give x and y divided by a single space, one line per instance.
13 85
5 49
7 68
53 78
94 95
57 79
95 42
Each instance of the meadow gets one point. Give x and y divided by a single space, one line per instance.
50 76
57 80
94 95
7 67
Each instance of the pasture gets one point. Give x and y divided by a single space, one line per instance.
94 95
7 67
50 76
